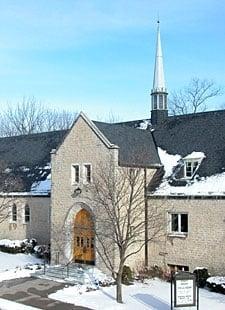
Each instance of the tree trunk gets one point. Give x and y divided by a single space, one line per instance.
119 287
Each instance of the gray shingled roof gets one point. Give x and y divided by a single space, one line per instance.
28 156
136 146
202 132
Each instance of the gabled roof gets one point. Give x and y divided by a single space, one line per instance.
136 147
200 132
27 157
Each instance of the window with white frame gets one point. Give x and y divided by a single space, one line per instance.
26 214
14 213
87 173
190 168
178 223
75 173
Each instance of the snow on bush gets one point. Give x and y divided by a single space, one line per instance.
216 284
17 246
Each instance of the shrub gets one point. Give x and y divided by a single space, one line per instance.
216 284
17 246
201 276
42 251
127 275
150 272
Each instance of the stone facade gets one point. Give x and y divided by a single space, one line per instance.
81 146
204 244
39 225
84 144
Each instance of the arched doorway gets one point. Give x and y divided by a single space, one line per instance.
84 250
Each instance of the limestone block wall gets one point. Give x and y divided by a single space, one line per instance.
39 225
81 146
204 245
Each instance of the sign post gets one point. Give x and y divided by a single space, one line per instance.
184 290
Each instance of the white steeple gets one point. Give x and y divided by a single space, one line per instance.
159 93
159 80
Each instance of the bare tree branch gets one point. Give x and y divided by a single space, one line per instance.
194 97
119 202
30 116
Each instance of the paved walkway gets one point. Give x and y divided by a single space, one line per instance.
34 292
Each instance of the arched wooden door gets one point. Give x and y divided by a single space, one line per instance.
83 250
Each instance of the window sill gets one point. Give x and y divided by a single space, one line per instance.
177 235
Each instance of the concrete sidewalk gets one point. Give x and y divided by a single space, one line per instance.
34 292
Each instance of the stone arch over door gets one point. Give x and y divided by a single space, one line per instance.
84 238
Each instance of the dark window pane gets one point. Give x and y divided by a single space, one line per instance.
27 214
174 223
14 213
184 223
88 173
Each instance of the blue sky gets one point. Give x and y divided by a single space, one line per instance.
98 56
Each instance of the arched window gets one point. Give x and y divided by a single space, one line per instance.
27 214
14 213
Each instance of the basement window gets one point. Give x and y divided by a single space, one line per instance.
178 223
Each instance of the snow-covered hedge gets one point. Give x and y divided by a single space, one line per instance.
42 251
216 284
17 246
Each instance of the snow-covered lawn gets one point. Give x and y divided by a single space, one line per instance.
154 294
15 265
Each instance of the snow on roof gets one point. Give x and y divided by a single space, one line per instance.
169 161
42 187
212 185
144 124
195 155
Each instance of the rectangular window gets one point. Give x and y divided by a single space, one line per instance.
75 174
190 168
87 173
179 223
27 214
14 213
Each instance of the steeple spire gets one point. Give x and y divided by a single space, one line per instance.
159 92
159 80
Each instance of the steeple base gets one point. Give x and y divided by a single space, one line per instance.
158 116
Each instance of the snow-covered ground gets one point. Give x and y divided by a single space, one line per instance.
152 295
16 266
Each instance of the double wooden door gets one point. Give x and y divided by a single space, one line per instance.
84 249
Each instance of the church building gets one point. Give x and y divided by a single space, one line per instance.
47 180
